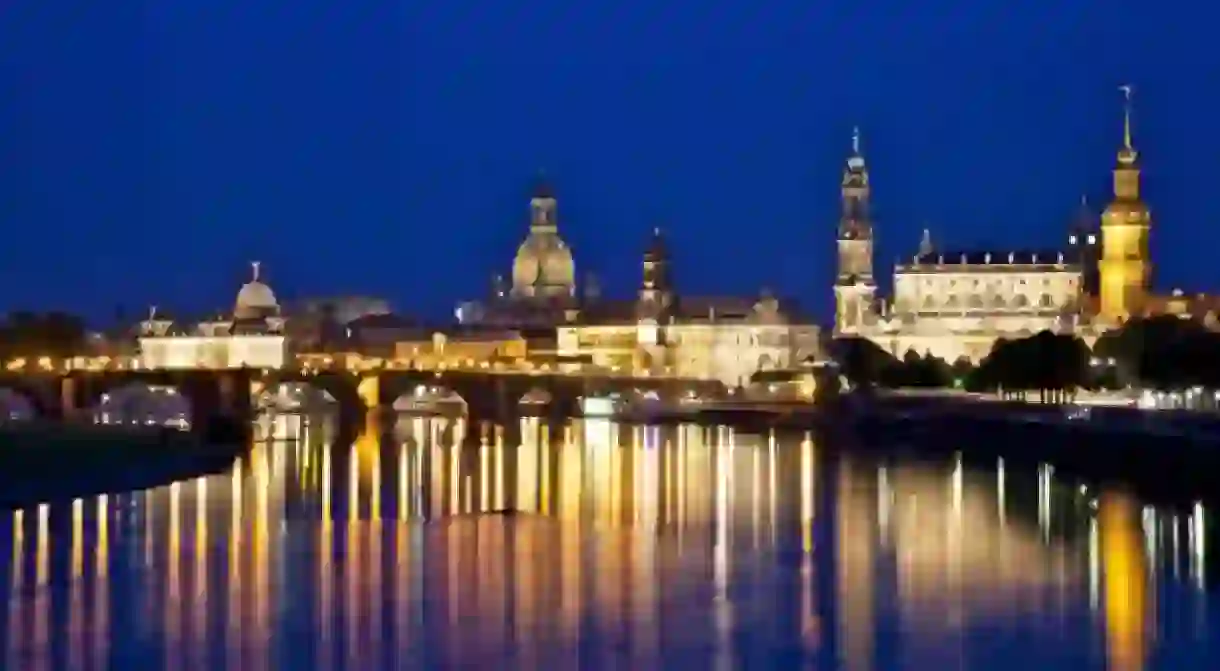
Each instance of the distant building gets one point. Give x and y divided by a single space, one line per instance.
661 333
252 336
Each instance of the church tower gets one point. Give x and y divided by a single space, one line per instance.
1124 270
854 286
655 305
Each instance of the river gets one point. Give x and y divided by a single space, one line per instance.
629 547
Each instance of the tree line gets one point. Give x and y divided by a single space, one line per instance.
1164 352
37 334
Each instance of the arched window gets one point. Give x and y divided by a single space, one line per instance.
1046 302
1020 302
974 301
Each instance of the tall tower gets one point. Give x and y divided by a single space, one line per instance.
1124 271
655 304
854 286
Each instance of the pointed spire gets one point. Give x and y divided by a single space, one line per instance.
1127 90
1127 154
925 243
254 266
855 162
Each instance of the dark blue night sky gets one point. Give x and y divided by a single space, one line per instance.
148 151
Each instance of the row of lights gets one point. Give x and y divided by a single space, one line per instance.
49 364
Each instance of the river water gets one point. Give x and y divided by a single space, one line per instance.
629 548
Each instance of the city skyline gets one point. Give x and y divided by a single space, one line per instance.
396 160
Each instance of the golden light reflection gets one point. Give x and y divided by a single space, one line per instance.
199 596
1125 578
326 571
42 562
626 523
173 555
236 615
16 584
101 582
76 606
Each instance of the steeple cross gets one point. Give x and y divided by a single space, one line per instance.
1128 91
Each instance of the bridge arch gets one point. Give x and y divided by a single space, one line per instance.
431 399
338 386
290 395
536 401
138 402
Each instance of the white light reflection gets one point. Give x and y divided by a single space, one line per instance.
723 609
1000 491
1046 473
957 486
1094 566
884 501
1198 553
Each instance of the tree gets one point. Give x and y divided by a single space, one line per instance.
53 334
1165 352
1052 364
861 361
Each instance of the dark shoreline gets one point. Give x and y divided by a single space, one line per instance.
1154 464
52 462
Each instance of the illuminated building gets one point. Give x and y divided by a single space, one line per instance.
543 290
657 333
663 333
1125 268
955 304
253 336
463 344
950 304
544 267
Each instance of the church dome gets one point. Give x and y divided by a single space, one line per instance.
255 299
544 265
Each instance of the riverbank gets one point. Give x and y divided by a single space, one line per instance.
45 461
1163 456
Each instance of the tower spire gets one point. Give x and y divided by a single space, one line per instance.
855 162
254 266
1127 155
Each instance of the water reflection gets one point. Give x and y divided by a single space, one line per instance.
638 548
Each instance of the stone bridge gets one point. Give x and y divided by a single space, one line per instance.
64 395
489 395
